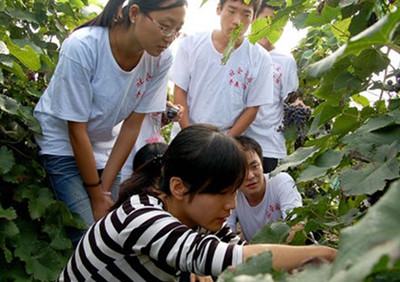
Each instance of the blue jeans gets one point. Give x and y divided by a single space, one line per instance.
66 182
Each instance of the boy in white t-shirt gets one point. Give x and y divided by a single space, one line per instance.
227 96
262 199
265 128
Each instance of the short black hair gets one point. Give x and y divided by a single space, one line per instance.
249 144
254 3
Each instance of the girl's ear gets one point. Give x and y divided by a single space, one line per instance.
133 11
177 188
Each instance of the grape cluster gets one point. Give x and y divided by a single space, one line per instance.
394 87
296 114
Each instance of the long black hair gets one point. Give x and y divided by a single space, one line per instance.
110 15
207 161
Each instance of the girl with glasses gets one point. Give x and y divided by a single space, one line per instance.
111 72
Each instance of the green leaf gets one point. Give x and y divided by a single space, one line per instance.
258 30
39 199
26 113
9 105
59 211
370 61
234 36
380 34
361 100
27 56
22 15
328 160
346 122
8 229
15 272
327 15
59 239
41 260
270 28
295 159
12 66
347 81
324 113
7 160
340 29
373 176
275 233
379 230
74 3
8 214
255 265
376 132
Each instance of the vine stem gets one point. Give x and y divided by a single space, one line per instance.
384 74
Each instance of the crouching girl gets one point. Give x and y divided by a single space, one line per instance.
154 235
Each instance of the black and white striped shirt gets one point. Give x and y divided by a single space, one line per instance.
140 241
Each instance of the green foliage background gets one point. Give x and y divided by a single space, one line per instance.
349 161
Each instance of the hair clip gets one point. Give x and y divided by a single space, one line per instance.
124 4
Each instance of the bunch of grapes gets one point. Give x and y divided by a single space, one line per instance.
296 114
394 86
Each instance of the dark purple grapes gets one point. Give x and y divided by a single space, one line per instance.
295 114
394 86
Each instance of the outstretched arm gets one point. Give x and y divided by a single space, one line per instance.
289 257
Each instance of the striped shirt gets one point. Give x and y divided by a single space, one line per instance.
140 241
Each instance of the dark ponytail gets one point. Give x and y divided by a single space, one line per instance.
147 165
109 15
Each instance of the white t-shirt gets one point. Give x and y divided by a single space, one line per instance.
218 94
150 132
280 198
89 86
264 129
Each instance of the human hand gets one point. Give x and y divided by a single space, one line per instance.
179 114
101 205
196 278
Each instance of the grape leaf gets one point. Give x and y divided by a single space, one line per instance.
234 36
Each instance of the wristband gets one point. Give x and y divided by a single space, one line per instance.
86 185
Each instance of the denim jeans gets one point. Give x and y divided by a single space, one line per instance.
66 182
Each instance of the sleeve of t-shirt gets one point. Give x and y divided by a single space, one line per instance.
290 81
180 68
155 99
289 197
262 87
71 82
